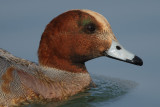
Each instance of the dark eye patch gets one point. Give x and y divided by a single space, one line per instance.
90 28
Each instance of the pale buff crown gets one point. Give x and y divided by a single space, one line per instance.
100 18
103 22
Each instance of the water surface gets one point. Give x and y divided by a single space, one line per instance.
106 90
135 23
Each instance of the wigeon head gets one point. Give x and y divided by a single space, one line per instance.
77 36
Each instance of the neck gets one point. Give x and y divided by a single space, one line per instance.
54 58
63 64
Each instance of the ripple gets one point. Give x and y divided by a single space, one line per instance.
107 90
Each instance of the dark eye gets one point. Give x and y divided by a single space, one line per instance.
118 47
90 28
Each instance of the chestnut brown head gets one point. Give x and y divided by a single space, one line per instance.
75 37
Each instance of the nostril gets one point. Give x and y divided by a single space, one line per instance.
118 47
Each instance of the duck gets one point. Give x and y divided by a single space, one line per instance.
68 41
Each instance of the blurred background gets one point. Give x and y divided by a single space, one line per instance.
135 23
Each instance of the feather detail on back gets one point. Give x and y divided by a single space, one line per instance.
24 82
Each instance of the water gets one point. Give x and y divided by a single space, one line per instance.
135 24
106 90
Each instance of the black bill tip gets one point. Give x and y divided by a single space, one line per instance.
137 61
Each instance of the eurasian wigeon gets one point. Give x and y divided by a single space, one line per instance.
67 42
